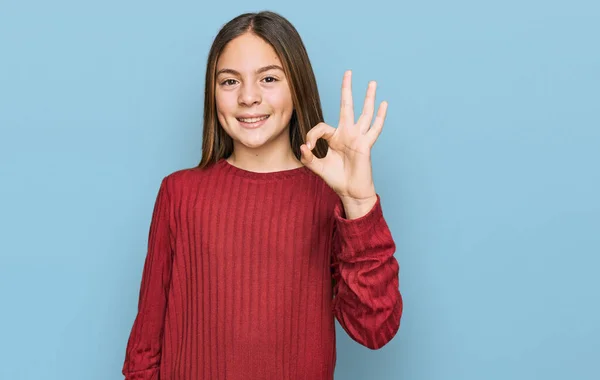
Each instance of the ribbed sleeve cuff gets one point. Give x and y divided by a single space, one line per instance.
362 226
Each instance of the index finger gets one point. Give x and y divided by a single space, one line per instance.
347 106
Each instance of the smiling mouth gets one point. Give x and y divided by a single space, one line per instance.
252 120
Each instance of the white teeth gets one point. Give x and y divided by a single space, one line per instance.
253 119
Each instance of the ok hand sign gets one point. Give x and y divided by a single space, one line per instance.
347 166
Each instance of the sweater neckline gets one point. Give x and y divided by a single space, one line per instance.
287 173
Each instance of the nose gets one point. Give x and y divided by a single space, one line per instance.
249 94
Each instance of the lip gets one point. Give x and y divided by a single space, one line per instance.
250 115
252 125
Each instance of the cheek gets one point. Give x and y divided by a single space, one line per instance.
224 109
225 102
281 101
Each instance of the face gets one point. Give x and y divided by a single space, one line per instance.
253 98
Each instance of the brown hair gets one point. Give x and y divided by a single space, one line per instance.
285 40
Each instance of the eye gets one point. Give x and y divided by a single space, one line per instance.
228 82
270 79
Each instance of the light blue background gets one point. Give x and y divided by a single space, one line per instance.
488 168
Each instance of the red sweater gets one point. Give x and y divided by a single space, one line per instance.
237 281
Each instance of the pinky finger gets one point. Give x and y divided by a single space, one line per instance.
377 126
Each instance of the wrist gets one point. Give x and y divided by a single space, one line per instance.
358 207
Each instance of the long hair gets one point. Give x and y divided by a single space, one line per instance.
285 40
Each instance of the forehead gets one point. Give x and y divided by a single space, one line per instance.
247 52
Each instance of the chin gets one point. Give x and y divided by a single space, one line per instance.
252 145
256 138
260 140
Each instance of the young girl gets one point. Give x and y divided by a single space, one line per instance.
243 249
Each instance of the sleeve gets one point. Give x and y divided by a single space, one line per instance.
367 300
143 352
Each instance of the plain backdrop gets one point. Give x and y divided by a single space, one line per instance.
488 168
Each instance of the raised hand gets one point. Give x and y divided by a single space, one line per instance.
347 166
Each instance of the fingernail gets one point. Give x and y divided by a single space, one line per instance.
308 145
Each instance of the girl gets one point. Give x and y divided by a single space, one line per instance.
243 248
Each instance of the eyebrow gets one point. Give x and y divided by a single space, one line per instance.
261 70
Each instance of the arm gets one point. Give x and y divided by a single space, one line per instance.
142 357
367 300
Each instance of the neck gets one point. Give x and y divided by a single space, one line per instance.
264 161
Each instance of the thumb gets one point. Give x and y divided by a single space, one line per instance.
309 160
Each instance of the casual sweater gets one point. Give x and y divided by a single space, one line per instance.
246 272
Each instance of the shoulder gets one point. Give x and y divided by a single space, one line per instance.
186 180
